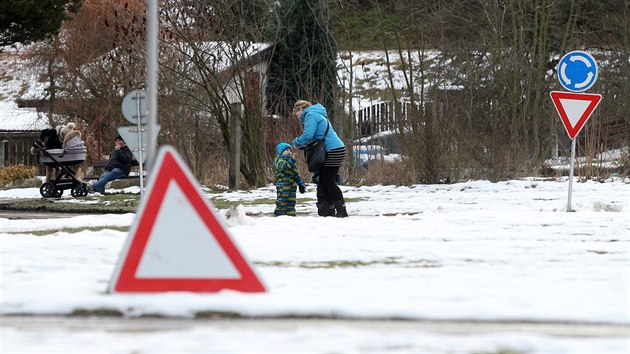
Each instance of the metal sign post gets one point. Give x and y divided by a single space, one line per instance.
130 135
134 109
571 167
153 9
141 161
577 71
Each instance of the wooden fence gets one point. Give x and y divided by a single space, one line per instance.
381 117
15 148
387 116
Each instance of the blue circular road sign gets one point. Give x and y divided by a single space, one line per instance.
577 71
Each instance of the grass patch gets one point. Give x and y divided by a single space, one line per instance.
99 312
120 203
61 206
258 201
394 214
273 264
500 351
217 314
342 264
73 230
115 197
221 203
224 204
420 263
214 189
116 203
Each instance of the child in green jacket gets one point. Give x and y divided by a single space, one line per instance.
287 178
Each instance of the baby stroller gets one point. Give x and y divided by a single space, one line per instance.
62 160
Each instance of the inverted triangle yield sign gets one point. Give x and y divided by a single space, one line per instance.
574 109
176 242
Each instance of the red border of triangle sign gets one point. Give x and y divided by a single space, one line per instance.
574 109
177 242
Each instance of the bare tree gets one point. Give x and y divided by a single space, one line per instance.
208 67
95 59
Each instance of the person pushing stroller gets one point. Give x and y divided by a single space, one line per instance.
48 140
62 151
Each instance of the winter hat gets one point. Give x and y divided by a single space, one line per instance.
281 147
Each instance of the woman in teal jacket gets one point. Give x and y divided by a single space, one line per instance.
315 120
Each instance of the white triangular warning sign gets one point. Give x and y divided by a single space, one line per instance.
177 242
574 109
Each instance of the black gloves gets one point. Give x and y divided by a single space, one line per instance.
302 188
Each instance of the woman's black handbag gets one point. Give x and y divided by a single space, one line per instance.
315 152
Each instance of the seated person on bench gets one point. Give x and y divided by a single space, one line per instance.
118 166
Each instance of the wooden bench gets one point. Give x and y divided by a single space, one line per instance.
100 165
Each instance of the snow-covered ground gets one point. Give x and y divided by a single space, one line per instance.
503 252
476 251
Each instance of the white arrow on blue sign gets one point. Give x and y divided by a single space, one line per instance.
577 71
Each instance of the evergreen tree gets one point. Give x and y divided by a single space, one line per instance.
26 21
303 65
253 14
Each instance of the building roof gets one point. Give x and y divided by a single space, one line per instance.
18 79
14 119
